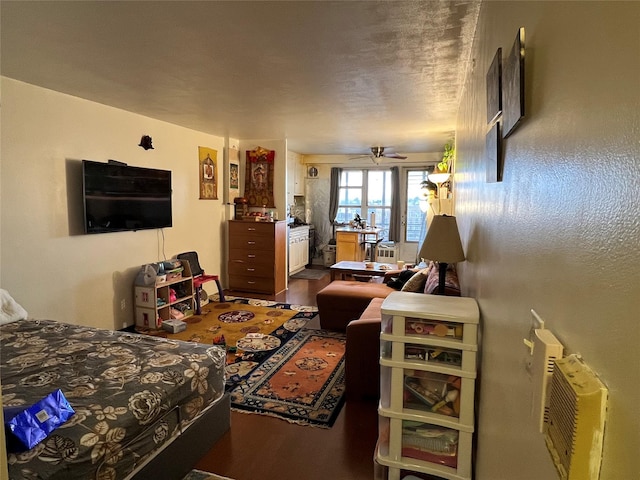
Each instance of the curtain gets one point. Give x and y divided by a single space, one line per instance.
395 226
334 193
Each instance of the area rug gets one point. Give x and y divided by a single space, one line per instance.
200 475
231 321
311 274
250 329
302 382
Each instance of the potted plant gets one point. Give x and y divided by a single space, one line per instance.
447 157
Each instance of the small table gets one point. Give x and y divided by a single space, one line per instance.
359 268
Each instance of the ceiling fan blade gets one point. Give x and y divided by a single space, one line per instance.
394 155
358 157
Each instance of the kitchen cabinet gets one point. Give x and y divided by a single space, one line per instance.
351 243
258 256
427 384
295 176
298 249
298 179
349 246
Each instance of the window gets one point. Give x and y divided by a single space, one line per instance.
415 223
363 192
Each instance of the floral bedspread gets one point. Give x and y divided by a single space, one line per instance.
131 394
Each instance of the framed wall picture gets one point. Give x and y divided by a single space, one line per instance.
493 154
494 88
513 85
258 180
233 174
208 172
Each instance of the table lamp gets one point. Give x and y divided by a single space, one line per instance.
442 245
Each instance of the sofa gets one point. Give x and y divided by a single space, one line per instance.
355 307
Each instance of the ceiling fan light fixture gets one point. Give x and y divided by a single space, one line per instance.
377 154
377 151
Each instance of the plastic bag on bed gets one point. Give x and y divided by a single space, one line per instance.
25 427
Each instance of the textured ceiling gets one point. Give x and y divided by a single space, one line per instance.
330 77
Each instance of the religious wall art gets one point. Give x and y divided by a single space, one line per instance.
258 182
208 169
233 175
494 88
513 86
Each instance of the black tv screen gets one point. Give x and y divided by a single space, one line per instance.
118 197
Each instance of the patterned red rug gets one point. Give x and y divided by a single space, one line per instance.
302 382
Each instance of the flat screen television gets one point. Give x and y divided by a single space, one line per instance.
119 198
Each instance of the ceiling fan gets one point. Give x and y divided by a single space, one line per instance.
377 154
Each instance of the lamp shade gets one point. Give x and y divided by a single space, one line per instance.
442 243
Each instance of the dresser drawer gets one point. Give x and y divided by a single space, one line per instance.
253 243
251 269
251 283
250 257
251 229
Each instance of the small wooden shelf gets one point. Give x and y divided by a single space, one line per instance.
153 303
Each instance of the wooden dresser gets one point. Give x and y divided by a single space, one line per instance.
258 256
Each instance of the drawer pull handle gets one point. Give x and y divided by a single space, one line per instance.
251 243
251 256
251 269
250 282
251 229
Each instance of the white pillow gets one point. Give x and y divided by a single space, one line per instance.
10 310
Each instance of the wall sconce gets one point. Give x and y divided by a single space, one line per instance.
428 193
438 177
145 142
435 182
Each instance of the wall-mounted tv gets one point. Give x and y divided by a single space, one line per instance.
118 197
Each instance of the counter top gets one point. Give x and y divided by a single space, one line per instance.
367 231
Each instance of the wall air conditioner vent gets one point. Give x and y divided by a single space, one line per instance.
546 350
575 427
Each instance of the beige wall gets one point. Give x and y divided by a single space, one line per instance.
50 269
561 233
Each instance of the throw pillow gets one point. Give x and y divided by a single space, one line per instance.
416 282
10 310
403 277
451 284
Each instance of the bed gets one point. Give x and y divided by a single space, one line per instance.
145 407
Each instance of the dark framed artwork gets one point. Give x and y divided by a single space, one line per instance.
494 88
493 154
513 85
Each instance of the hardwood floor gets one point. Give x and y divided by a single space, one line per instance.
258 447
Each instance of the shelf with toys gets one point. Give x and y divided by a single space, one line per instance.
168 296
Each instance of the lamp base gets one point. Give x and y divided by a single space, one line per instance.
442 275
